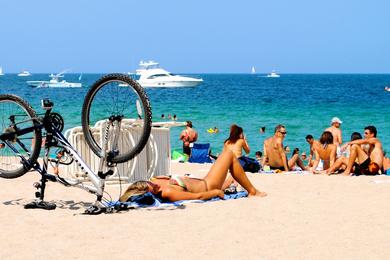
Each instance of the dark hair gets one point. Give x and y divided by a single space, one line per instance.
356 136
309 137
278 127
295 151
189 124
259 153
326 138
235 134
372 129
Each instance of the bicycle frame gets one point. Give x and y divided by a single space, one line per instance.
54 138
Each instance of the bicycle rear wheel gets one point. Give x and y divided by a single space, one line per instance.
120 97
17 153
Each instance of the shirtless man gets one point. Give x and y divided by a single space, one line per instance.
188 136
361 162
274 152
336 132
313 143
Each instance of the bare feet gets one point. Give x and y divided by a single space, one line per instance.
258 194
346 173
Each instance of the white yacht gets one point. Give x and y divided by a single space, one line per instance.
1 71
24 73
273 74
253 71
151 75
54 82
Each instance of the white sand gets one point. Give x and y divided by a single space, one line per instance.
304 217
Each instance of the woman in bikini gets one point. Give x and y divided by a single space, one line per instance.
325 151
186 188
236 141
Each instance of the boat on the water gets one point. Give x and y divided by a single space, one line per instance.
152 75
273 74
1 71
54 82
387 89
253 71
24 73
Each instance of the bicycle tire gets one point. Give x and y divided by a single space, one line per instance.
106 86
28 119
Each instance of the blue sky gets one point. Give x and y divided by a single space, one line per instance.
203 36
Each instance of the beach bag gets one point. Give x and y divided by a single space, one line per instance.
249 164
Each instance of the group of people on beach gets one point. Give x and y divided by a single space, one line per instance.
358 156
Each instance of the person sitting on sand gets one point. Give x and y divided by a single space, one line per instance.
275 155
177 188
236 141
336 132
360 162
313 143
326 152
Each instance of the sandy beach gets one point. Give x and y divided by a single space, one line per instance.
303 217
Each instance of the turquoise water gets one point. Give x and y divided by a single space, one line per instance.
304 103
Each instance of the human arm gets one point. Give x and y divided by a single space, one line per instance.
339 138
182 135
245 145
371 141
282 154
333 153
265 156
195 137
316 161
175 195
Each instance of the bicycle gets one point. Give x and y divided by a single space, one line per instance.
113 100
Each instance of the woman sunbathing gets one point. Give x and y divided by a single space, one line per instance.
185 188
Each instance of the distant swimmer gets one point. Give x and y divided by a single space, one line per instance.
387 88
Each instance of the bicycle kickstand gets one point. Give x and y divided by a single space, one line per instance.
39 202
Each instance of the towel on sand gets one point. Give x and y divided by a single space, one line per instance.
149 200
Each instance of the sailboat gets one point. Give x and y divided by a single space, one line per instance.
1 71
253 71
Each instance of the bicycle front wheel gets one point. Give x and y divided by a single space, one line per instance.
118 97
17 152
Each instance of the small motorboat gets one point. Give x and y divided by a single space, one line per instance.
54 82
24 73
273 74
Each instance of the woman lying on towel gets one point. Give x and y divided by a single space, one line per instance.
186 188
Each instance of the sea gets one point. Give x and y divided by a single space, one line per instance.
303 103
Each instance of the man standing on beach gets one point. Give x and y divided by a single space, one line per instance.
188 136
336 132
275 155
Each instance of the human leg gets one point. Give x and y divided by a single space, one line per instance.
295 159
356 153
337 165
218 172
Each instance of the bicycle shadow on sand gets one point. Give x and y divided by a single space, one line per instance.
61 204
77 205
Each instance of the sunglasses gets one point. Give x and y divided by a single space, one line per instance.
283 133
366 133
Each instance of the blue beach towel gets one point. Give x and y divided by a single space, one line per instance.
149 200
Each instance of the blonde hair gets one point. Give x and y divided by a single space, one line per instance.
137 188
